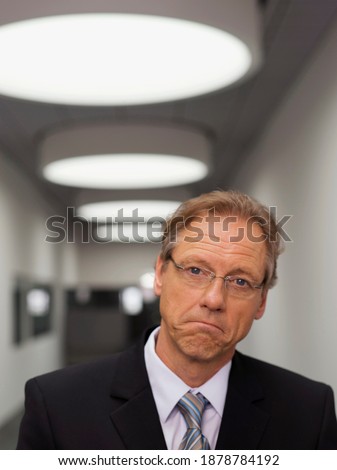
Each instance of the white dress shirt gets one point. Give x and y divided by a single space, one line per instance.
168 388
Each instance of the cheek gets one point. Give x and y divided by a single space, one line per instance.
246 322
239 319
175 302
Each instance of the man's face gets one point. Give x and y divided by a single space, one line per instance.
204 324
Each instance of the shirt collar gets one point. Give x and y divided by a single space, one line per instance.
168 388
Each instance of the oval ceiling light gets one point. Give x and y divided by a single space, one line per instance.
125 171
125 156
139 211
136 52
128 221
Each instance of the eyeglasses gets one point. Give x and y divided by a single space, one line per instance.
236 286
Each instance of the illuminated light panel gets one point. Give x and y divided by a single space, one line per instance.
131 300
125 171
145 210
146 283
38 302
124 155
146 280
117 59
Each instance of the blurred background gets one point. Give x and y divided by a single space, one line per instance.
78 241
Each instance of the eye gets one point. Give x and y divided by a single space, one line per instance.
240 283
195 271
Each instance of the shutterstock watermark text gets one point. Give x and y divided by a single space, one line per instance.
138 229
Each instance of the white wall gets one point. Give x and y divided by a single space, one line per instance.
294 166
24 253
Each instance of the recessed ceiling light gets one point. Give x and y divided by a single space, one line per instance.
125 171
124 156
139 210
124 59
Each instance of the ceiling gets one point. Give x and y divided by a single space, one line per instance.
232 118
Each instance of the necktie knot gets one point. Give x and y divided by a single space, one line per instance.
192 407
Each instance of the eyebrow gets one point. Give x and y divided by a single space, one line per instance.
197 261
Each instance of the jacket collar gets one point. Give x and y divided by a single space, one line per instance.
243 422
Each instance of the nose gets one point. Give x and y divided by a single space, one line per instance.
214 296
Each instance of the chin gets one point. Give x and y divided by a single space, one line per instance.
201 347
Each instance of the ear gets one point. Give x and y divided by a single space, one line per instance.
158 276
262 307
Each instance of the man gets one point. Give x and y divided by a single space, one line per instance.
185 385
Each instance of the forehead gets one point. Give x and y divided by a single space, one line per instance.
223 238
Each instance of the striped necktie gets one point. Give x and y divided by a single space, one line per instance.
192 407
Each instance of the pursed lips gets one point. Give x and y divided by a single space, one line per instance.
207 324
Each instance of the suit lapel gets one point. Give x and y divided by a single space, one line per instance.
136 419
243 423
138 424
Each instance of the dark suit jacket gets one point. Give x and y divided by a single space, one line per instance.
109 404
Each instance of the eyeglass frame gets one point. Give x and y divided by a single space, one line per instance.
213 276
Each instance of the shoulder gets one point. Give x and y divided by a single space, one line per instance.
112 374
85 375
273 377
299 408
